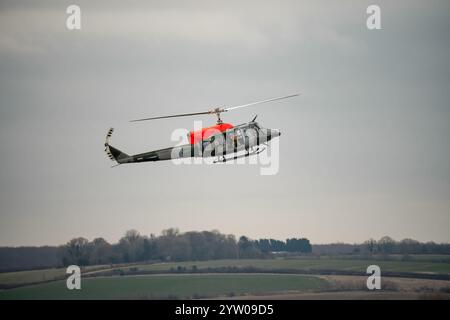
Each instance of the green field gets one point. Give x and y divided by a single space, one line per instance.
169 286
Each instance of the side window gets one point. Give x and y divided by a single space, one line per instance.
230 138
240 135
244 133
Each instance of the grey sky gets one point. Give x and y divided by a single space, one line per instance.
364 151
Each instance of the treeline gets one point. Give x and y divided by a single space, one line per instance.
172 245
387 245
23 258
384 246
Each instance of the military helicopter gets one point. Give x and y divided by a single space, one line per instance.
218 141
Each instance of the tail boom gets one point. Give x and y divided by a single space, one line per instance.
121 157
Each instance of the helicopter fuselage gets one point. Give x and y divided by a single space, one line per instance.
211 143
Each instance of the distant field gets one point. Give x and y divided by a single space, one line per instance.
308 264
396 257
170 286
33 276
416 264
10 278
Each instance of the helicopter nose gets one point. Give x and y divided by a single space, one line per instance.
275 133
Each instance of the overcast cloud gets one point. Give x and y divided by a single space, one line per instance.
364 150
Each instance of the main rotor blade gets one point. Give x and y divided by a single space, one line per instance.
216 110
258 102
172 116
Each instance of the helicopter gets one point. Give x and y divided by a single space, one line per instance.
218 140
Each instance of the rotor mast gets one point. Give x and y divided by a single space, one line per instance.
217 112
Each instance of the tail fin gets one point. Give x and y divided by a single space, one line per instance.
113 153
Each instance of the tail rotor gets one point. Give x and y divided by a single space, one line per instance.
114 154
107 149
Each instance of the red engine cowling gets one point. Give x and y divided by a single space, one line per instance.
204 133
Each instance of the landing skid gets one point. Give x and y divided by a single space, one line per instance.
224 159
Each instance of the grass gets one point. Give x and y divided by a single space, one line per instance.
169 286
